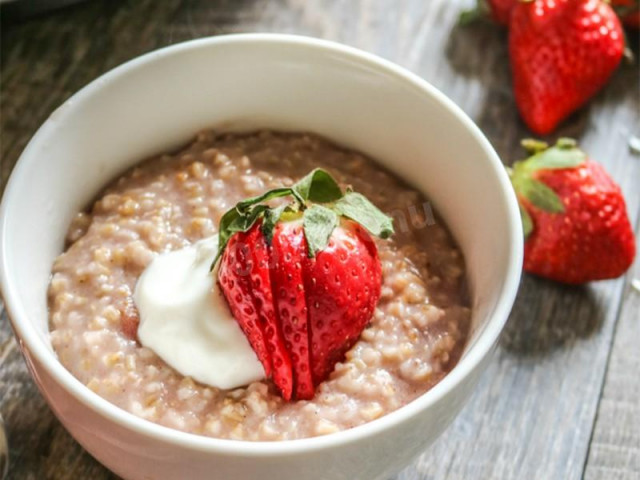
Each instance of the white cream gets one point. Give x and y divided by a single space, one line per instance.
185 319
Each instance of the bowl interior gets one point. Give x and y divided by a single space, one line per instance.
158 102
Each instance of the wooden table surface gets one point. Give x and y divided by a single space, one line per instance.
561 399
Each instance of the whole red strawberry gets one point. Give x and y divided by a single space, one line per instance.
303 279
562 53
574 216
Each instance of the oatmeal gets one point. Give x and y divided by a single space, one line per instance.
415 337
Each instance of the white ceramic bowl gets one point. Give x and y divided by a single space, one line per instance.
159 101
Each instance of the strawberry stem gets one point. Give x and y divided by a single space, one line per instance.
533 146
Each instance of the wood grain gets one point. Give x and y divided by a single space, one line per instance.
615 447
541 411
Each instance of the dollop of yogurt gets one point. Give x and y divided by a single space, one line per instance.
185 320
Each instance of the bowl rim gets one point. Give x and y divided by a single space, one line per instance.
483 345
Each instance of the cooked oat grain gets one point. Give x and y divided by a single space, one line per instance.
415 337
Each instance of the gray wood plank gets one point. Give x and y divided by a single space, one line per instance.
615 447
533 414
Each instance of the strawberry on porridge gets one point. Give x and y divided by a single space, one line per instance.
261 286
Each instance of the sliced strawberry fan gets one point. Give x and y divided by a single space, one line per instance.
302 279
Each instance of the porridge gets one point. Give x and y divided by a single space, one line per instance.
416 334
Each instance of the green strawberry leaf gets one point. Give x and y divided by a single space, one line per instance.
566 142
244 222
467 17
533 146
318 223
271 217
555 158
564 154
355 206
224 233
244 205
539 195
318 186
527 223
233 222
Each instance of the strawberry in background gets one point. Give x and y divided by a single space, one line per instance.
562 53
574 216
